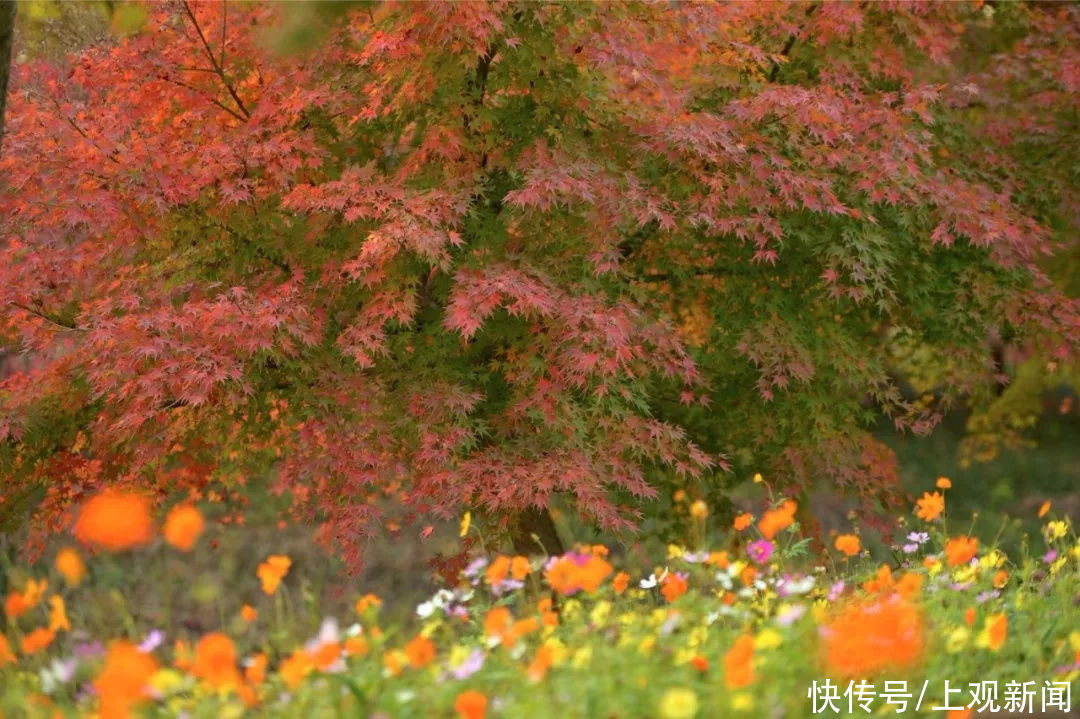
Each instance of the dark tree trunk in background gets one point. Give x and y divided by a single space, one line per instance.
533 525
7 39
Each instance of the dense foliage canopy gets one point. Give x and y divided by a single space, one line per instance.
490 254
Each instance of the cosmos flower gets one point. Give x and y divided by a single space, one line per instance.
115 521
471 704
930 506
760 551
848 544
183 525
272 571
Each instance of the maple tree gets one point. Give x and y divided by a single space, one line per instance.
486 255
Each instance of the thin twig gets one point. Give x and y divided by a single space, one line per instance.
213 60
61 326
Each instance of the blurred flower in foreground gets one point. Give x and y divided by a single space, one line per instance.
471 704
183 525
678 703
115 521
122 683
870 636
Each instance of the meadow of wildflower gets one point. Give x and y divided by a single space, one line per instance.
754 622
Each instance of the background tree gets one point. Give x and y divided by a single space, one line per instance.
490 255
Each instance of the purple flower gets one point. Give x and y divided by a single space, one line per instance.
990 594
475 567
918 537
153 640
836 590
909 548
760 551
470 666
1050 556
789 615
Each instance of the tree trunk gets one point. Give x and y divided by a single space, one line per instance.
7 40
535 533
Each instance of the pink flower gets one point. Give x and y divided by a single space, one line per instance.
760 551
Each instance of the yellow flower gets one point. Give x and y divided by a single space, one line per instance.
957 640
466 522
699 510
646 645
768 639
758 478
1074 640
600 613
166 681
678 704
742 702
582 657
1056 530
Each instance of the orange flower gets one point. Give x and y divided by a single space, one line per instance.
420 651
871 636
471 704
848 544
498 570
700 663
255 671
738 663
619 582
718 559
910 584
356 646
294 668
249 613
570 573
183 525
699 510
882 581
15 605
324 655
1044 509
776 520
496 622
674 586
944 483
272 571
70 565
930 506
121 685
960 550
1001 578
519 568
115 521
58 619
969 616
743 521
748 575
6 655
366 602
540 664
997 628
215 661
36 640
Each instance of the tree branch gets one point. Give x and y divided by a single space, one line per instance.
60 325
214 61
